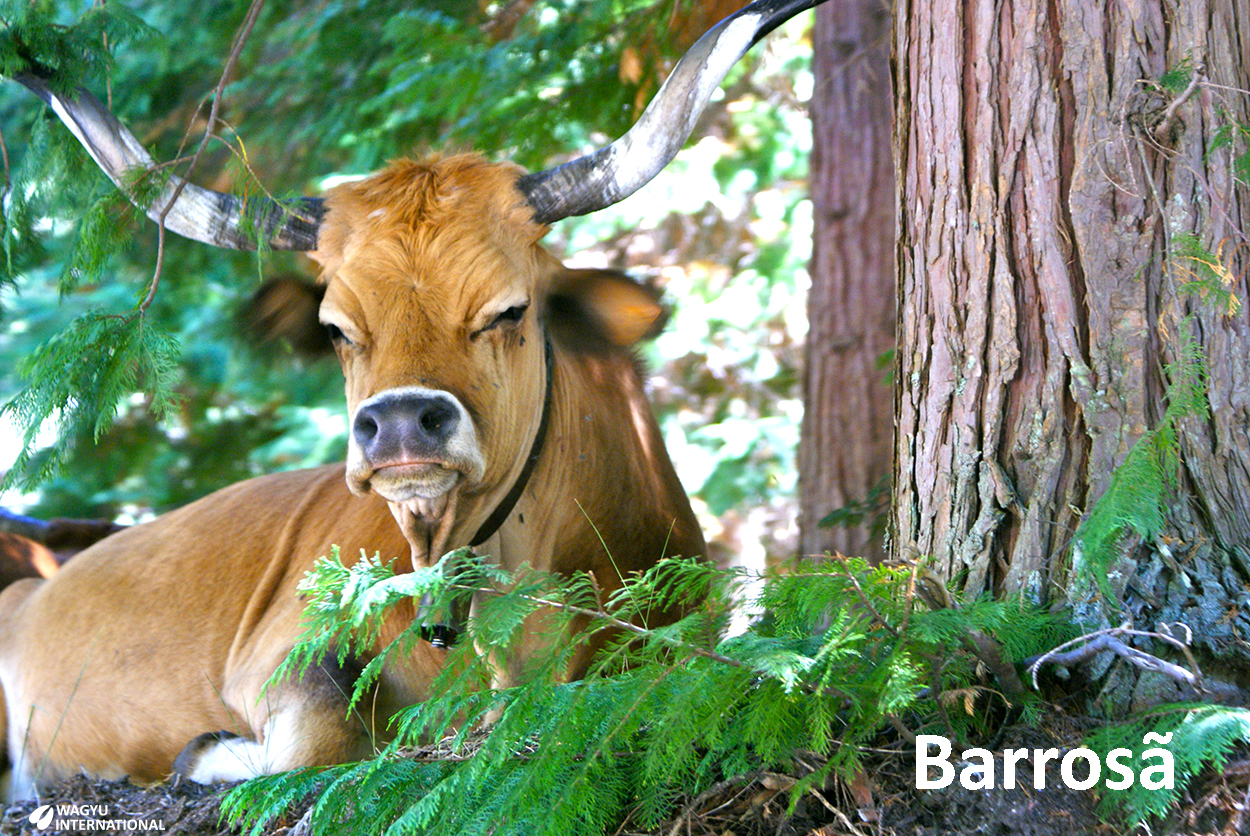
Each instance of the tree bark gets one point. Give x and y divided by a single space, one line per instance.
844 455
1047 181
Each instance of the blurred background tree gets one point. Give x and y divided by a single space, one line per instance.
845 454
333 89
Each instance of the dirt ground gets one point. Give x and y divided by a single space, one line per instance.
883 802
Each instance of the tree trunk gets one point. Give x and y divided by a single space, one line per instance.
844 455
1050 178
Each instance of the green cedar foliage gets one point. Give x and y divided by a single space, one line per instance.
667 710
34 38
1196 735
99 360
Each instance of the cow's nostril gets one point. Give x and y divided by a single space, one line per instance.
437 419
366 427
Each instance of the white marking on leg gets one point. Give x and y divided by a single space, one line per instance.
240 758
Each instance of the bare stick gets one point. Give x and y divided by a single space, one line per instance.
239 40
1109 640
1164 127
901 728
708 793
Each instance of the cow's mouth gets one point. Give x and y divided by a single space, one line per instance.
422 496
424 483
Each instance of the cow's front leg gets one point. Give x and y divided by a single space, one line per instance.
303 723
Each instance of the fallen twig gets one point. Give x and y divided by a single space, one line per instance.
702 798
1109 640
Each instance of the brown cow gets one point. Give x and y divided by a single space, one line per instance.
493 401
31 548
21 557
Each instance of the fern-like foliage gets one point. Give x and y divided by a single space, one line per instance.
1136 500
1196 735
667 710
34 40
78 376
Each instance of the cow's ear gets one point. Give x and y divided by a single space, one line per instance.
602 308
286 307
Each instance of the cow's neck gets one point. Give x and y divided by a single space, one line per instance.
430 542
427 542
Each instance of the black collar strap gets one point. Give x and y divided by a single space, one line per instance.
501 513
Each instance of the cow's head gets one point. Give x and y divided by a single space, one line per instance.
441 307
432 278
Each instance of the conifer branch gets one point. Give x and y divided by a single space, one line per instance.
611 620
603 615
982 645
863 596
624 744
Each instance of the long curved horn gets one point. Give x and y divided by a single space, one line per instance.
616 171
215 218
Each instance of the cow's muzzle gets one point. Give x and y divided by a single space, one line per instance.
413 443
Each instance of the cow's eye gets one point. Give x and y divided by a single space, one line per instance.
508 319
336 334
511 316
